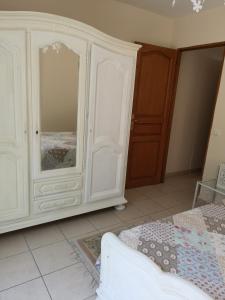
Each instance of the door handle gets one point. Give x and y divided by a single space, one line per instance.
132 123
134 119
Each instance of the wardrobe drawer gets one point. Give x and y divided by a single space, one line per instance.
49 203
44 188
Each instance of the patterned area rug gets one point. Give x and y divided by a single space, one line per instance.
91 246
90 249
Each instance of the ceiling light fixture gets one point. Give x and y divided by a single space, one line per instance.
197 4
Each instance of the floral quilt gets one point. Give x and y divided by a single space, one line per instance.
189 244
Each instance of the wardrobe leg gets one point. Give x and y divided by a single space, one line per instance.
120 207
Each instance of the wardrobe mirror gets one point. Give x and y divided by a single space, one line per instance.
59 78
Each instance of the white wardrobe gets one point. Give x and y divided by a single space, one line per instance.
66 94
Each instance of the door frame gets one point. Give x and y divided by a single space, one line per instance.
180 51
170 119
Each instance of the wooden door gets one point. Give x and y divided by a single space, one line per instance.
13 126
151 116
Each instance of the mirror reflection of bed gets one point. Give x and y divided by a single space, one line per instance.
59 77
58 150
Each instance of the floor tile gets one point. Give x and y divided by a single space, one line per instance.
152 191
72 283
139 221
162 214
17 269
129 213
184 206
169 200
148 206
32 290
114 229
12 244
104 219
166 187
91 298
133 195
182 182
43 235
77 226
54 257
188 196
175 210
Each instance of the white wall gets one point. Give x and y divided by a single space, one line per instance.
196 90
207 27
117 19
203 28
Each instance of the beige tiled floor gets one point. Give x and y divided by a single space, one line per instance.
39 263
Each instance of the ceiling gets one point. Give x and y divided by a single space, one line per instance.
164 7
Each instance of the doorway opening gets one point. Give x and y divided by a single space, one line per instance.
196 94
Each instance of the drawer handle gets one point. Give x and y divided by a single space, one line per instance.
56 204
59 187
66 186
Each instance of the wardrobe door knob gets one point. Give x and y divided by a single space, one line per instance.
36 131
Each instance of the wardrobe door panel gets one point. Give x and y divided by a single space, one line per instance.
104 160
58 66
13 126
110 89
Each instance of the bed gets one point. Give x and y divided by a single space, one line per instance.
179 257
58 150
